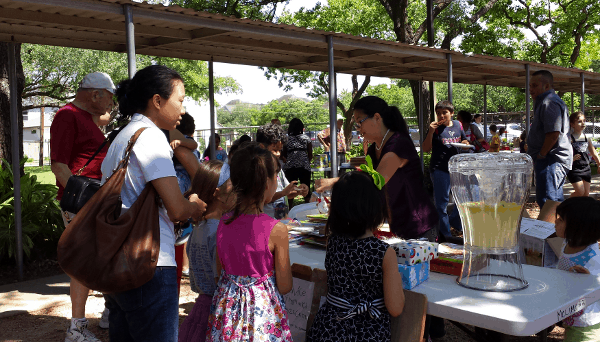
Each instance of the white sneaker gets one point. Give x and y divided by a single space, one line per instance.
80 333
104 319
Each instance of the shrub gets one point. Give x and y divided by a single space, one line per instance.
40 212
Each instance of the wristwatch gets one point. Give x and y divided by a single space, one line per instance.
540 156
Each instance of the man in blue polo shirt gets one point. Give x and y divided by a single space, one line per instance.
548 142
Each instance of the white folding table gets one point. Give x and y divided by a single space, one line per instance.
551 296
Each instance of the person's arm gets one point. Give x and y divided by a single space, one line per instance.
549 140
393 294
289 190
175 135
178 208
189 161
280 245
389 164
309 151
593 151
61 172
428 142
322 135
325 184
219 266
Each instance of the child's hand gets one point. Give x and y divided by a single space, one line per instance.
577 157
579 269
303 190
197 215
175 144
290 189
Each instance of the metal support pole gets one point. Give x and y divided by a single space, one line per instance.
583 94
485 112
16 169
430 42
129 32
449 57
527 104
421 128
211 100
332 110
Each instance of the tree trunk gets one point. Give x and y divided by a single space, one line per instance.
5 121
414 85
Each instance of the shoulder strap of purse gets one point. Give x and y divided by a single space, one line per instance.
109 138
125 161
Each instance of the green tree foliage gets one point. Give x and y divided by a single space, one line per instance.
240 116
251 9
52 73
314 111
560 30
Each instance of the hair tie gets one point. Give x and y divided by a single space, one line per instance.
377 177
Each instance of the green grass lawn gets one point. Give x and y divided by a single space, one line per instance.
43 174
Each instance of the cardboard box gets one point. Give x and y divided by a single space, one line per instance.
447 264
538 243
414 275
411 252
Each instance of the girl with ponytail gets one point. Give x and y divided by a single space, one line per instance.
252 257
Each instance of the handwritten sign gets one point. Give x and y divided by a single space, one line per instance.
298 303
570 310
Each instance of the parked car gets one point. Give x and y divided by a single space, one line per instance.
513 130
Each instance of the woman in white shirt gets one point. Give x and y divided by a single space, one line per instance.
152 99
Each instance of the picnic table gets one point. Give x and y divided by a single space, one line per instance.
551 296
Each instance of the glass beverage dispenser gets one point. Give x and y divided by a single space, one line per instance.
490 190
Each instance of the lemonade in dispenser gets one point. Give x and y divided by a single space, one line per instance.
490 190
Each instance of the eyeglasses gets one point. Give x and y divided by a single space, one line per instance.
359 123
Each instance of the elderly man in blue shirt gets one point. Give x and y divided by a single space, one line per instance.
548 142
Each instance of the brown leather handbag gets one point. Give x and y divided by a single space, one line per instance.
109 252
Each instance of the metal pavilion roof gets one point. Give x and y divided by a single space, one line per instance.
184 33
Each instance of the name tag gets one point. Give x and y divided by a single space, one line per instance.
570 310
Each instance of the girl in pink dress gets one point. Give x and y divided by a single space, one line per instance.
252 257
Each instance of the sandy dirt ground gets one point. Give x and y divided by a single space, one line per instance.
51 324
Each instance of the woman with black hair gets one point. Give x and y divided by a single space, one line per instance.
298 154
411 212
220 154
152 99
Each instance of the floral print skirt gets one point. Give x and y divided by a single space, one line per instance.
249 309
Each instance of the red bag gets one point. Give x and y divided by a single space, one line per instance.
480 146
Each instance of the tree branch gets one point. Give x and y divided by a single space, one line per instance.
436 11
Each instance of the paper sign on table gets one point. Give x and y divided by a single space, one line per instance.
297 304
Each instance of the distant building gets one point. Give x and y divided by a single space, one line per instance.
32 130
31 123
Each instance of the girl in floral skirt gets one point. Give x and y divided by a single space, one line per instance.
252 257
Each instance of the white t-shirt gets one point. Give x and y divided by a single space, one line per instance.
590 259
279 208
151 158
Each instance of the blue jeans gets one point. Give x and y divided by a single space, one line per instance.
441 195
550 177
147 313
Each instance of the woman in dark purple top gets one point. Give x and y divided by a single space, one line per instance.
412 214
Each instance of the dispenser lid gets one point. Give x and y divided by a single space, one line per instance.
474 162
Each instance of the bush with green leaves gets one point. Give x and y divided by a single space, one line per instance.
40 213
